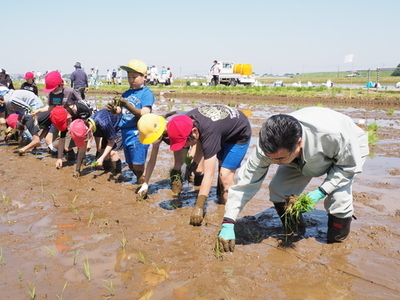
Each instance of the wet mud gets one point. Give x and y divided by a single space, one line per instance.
84 238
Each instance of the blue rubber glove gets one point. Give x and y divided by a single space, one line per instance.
316 195
226 238
227 232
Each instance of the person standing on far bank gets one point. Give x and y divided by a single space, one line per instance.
79 80
215 70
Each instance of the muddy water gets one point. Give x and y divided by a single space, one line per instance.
89 237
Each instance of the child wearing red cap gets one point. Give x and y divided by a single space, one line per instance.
68 98
29 84
221 133
26 122
104 127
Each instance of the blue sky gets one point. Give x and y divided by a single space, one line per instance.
276 37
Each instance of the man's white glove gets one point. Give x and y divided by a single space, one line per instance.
143 191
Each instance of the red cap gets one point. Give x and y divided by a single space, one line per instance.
179 129
52 81
12 121
78 131
29 75
59 116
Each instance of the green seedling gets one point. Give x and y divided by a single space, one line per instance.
86 267
50 251
295 205
5 200
123 241
54 200
32 290
257 237
60 297
141 257
226 294
19 276
390 112
2 258
90 218
372 138
94 164
76 253
217 250
110 288
74 208
373 127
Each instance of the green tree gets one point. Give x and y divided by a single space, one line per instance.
397 71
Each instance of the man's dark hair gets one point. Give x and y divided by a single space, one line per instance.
280 131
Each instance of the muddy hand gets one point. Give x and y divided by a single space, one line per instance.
76 174
226 238
197 216
119 101
111 107
198 211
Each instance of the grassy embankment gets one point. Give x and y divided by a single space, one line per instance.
317 79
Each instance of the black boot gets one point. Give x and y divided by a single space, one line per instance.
107 165
338 229
116 166
198 178
70 155
290 224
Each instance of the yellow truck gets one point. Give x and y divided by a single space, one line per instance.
233 74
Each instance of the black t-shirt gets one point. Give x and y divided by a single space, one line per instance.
43 121
79 111
67 96
30 87
220 124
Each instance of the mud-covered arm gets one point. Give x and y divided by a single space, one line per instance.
250 178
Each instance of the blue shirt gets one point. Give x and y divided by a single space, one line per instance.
139 99
106 124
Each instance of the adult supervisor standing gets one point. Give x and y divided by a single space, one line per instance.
307 143
79 80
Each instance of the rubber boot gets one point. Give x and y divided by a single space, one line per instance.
70 155
107 165
198 178
338 229
288 223
176 181
116 166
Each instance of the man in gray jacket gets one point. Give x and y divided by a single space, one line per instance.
307 143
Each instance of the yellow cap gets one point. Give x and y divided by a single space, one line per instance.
136 66
151 127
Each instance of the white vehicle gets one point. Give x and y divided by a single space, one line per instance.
233 74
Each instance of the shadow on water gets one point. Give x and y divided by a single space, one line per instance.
187 198
255 229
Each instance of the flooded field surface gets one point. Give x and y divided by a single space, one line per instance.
89 238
